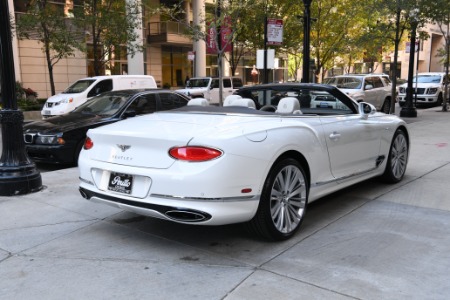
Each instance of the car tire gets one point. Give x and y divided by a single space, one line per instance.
397 159
440 100
386 108
283 202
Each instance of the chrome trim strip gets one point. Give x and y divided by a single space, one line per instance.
28 138
222 199
86 181
347 177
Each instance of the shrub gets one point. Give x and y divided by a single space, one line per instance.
26 105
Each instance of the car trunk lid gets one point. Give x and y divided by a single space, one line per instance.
145 141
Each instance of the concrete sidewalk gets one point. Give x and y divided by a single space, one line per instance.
371 241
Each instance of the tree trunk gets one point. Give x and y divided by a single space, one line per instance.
49 64
394 71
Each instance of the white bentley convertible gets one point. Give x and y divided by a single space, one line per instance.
258 160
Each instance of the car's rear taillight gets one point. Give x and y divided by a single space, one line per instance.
194 153
88 144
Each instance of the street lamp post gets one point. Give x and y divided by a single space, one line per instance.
18 174
409 111
266 74
306 40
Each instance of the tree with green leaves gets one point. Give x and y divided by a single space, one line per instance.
395 20
110 25
60 38
330 29
439 12
218 21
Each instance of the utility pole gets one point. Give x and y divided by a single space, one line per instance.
306 40
409 111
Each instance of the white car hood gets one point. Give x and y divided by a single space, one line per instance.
422 85
150 137
58 97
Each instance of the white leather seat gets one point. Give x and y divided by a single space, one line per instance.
288 105
229 100
245 102
198 102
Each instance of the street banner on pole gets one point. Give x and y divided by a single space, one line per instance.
274 32
225 37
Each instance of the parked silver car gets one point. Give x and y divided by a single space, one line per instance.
371 88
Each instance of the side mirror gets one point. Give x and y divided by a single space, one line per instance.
368 87
366 109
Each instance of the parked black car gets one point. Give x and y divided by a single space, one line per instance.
58 140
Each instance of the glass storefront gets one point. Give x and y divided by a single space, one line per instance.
175 66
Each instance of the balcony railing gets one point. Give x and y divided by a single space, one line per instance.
168 27
168 33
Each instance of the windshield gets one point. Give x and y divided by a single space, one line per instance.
104 105
79 86
193 83
428 79
344 82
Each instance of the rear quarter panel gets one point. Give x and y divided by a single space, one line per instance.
266 141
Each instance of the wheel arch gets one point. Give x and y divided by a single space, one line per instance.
405 131
297 156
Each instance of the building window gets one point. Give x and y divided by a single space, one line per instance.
116 64
175 66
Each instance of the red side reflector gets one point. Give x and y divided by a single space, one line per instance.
246 191
194 153
88 144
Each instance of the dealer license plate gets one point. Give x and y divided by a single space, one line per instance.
47 112
121 183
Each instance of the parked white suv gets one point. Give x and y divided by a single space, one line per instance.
430 89
372 88
208 88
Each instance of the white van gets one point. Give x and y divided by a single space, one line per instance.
86 88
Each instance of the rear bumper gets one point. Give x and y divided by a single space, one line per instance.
185 211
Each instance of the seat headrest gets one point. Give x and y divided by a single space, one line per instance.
248 102
229 100
288 105
244 102
198 102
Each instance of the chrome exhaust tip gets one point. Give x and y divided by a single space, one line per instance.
83 194
187 216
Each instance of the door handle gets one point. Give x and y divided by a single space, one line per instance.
335 136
